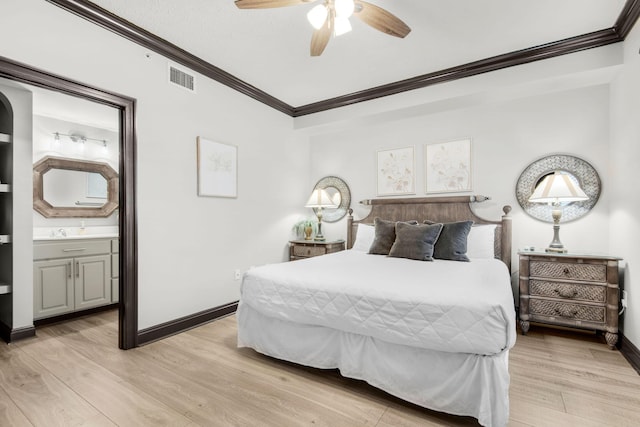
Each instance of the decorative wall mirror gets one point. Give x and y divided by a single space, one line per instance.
338 190
578 170
71 188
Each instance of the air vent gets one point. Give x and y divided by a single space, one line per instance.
182 79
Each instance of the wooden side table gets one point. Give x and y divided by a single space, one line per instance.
575 290
300 249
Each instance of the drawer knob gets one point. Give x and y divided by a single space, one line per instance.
308 251
565 271
566 294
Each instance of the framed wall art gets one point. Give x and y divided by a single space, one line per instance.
217 169
396 172
448 166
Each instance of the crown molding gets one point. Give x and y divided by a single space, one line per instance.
550 50
93 13
627 19
129 31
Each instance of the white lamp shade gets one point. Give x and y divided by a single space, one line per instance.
317 16
341 26
344 8
320 199
557 187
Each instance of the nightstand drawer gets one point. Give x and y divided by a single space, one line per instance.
567 310
570 291
572 271
308 251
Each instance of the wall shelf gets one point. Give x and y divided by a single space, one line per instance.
5 188
4 288
5 138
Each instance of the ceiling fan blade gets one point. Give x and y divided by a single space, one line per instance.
381 20
321 37
267 4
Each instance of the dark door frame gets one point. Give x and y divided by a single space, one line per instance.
128 305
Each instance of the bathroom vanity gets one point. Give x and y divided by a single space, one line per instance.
72 274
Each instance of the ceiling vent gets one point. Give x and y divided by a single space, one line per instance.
182 78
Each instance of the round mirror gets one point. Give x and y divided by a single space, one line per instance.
339 192
579 171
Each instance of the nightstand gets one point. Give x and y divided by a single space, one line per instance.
300 249
575 290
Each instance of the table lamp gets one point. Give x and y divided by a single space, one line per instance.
320 199
555 189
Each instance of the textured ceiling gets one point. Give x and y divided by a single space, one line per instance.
269 48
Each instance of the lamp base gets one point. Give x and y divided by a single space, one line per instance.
319 236
556 245
556 250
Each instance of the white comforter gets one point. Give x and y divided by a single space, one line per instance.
457 307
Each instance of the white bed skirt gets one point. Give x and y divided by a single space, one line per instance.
455 383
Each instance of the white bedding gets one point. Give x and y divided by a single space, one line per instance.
456 383
447 306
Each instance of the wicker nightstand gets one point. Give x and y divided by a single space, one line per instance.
575 290
300 249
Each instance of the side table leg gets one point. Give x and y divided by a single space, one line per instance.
524 325
612 339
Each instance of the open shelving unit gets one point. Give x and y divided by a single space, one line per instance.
6 254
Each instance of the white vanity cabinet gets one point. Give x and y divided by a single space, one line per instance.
71 275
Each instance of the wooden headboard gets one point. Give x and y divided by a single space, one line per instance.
439 209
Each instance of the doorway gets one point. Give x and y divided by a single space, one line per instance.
126 222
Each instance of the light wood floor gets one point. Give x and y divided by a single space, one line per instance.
72 374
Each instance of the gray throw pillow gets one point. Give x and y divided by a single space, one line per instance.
415 241
452 243
385 235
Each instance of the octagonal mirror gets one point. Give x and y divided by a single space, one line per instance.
72 188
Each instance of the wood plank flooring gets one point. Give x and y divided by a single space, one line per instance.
72 374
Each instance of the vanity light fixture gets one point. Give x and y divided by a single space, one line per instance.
74 137
556 189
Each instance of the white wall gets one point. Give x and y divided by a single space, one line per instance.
189 246
624 176
506 138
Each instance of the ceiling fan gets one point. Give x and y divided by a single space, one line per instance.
332 17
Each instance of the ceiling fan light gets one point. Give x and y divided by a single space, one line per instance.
341 26
317 16
344 8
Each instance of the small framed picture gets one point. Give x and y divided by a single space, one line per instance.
448 166
217 169
396 172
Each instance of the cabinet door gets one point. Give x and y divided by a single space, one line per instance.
52 287
92 281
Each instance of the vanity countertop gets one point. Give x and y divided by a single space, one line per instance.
74 233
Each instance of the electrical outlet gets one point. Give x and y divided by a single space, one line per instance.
238 275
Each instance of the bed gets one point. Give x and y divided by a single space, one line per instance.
435 333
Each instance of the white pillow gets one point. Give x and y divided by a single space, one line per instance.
480 241
364 237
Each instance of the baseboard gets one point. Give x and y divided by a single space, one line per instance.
10 335
176 326
630 352
74 315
